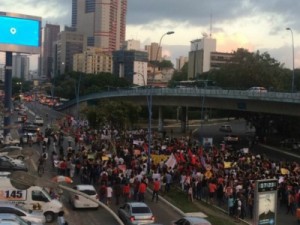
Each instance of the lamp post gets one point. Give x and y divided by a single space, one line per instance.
149 102
77 89
159 45
293 53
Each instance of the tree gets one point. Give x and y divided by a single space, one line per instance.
179 76
117 114
66 84
246 69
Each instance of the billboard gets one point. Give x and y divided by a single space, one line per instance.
266 202
20 33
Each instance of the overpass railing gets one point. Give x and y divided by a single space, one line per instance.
186 92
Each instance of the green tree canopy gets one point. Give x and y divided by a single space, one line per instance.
117 114
246 69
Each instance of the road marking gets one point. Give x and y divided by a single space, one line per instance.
33 164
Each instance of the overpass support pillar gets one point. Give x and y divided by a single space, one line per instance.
184 118
160 119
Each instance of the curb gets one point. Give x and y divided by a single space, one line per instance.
168 203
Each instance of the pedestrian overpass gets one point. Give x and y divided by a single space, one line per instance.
239 100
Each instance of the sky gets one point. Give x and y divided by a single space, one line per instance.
256 25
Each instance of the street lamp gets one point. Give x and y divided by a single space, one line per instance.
77 92
293 53
149 102
157 52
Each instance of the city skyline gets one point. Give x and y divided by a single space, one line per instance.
250 24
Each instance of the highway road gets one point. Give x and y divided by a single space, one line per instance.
163 213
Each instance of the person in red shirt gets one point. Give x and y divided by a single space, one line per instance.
126 192
156 188
62 167
142 191
212 189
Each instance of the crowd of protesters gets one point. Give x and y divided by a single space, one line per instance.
116 162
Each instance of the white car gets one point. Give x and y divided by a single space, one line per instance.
8 140
31 216
79 201
257 90
15 152
12 160
38 121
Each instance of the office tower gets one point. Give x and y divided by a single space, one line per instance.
68 44
49 37
20 66
131 65
102 21
200 56
154 53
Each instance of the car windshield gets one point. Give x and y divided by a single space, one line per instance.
140 210
89 192
45 192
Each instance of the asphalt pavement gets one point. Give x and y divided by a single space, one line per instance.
173 129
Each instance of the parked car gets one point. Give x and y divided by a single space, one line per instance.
133 213
79 201
191 220
10 165
15 152
15 161
225 128
31 216
9 140
257 90
12 219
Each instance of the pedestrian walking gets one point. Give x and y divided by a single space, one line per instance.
126 192
141 191
109 193
156 188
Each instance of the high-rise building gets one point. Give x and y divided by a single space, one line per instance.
200 56
154 52
20 66
68 44
102 21
49 37
180 62
131 65
92 61
132 45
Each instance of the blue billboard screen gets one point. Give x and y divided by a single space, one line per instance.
19 31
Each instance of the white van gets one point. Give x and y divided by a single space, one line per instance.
34 198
